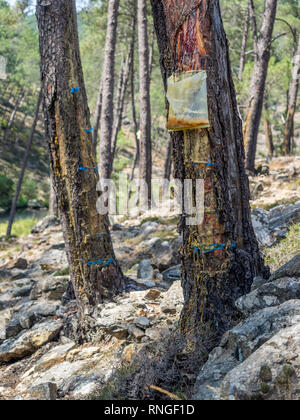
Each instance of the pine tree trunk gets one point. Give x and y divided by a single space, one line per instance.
258 83
292 103
97 117
108 77
12 117
145 169
268 132
119 111
53 207
94 270
244 43
132 89
191 36
23 168
168 160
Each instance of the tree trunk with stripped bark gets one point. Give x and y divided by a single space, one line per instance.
220 257
94 270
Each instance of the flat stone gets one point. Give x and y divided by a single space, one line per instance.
290 269
280 359
153 294
44 392
142 322
136 332
269 294
29 341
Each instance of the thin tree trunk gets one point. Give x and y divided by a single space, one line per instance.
258 83
151 54
12 117
97 117
268 132
119 111
244 43
168 160
292 103
94 270
145 168
23 168
132 88
20 131
53 207
211 281
107 113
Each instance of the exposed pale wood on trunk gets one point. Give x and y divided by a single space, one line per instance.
94 270
191 36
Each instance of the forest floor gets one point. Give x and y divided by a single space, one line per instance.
38 361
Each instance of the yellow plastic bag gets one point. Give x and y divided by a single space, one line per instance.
187 96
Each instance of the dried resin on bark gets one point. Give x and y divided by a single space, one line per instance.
187 96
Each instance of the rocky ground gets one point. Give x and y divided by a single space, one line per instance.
258 359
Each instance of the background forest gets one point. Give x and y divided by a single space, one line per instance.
19 91
148 305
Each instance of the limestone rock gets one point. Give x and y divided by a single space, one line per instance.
142 322
44 392
271 373
51 288
290 269
239 343
46 223
269 294
29 341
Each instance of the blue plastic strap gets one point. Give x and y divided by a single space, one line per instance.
82 168
75 90
105 263
215 247
88 130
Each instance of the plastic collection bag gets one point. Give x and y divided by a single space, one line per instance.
187 96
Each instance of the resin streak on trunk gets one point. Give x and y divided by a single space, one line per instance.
191 37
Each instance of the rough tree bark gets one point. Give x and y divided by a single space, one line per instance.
191 36
94 270
292 103
108 78
53 207
168 160
244 43
23 168
145 164
262 45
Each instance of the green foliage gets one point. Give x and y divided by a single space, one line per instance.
29 191
282 253
21 227
6 191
